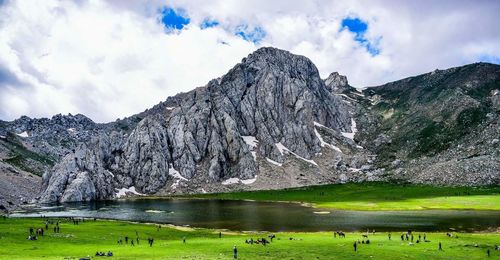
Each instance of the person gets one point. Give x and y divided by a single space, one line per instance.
488 252
31 231
425 236
137 240
55 229
355 246
220 234
402 237
184 240
126 240
110 253
131 242
440 247
235 252
389 235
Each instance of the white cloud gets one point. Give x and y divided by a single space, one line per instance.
113 59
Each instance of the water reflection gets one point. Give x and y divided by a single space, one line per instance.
252 215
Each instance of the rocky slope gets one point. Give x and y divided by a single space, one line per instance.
272 122
440 127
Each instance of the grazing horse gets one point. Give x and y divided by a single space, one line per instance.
341 234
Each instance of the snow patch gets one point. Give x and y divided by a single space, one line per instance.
359 93
346 96
249 181
320 125
237 180
274 162
110 173
169 108
176 175
71 130
231 181
354 169
283 150
23 134
323 143
123 192
353 130
250 141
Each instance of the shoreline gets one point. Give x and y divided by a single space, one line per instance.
491 230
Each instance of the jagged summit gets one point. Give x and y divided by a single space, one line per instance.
273 97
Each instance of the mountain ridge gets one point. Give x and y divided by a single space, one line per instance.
271 122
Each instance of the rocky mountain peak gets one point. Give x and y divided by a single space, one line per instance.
273 97
336 83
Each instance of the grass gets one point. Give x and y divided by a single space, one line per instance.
378 196
84 239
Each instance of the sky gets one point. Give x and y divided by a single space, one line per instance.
111 59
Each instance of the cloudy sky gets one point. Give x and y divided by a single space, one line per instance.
110 59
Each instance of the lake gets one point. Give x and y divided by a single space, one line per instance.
267 216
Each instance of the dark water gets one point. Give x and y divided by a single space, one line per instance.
269 216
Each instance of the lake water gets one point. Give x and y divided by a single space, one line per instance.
268 216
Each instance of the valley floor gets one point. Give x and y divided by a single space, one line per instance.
377 196
89 236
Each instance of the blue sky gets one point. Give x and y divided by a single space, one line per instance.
174 19
133 54
178 19
359 28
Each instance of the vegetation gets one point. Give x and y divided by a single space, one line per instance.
378 196
23 158
88 237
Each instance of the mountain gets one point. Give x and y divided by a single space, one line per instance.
440 127
271 122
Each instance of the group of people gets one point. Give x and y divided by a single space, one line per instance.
363 241
103 254
259 241
34 233
408 236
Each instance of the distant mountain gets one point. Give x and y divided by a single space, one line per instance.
440 127
272 122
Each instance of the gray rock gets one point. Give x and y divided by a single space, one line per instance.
272 95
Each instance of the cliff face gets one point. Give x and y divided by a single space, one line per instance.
272 122
272 98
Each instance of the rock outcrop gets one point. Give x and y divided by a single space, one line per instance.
272 96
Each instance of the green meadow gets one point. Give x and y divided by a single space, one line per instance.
75 241
377 196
